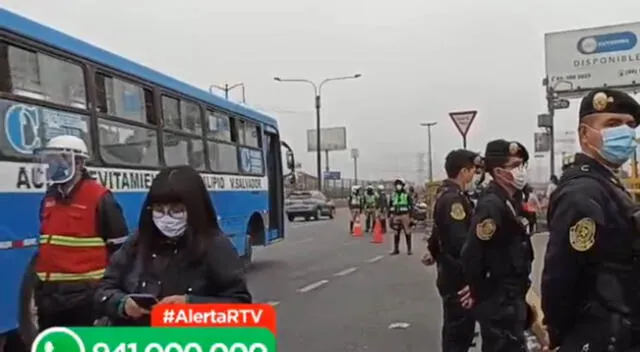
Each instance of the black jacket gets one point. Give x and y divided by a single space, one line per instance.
218 277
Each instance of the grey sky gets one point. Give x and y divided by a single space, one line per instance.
419 60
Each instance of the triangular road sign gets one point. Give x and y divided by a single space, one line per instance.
463 120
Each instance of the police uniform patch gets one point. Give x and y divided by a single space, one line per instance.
513 148
485 229
582 235
600 101
457 211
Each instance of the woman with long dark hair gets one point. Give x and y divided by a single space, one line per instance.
178 255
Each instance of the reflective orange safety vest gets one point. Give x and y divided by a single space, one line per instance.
70 248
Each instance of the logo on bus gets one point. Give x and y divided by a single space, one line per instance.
21 124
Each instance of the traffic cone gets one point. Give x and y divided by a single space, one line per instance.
357 228
377 233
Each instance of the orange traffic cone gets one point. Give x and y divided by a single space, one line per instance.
357 228
377 233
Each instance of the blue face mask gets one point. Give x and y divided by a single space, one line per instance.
618 144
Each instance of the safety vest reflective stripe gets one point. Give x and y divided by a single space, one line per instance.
95 275
72 241
401 202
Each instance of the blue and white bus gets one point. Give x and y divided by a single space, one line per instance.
134 120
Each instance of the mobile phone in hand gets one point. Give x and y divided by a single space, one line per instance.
144 300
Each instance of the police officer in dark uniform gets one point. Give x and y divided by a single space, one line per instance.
497 256
591 276
451 214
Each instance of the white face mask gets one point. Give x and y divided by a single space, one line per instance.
474 182
399 187
170 226
519 177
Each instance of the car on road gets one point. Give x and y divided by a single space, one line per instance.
308 204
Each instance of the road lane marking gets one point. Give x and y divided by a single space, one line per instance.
313 286
346 271
375 259
273 303
399 325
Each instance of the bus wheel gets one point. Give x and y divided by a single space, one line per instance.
28 315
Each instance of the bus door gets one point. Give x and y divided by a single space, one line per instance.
276 186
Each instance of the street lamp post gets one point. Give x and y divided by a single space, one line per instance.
317 91
551 98
428 125
226 88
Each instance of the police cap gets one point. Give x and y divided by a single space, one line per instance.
609 101
498 152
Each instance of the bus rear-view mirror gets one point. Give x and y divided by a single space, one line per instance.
290 161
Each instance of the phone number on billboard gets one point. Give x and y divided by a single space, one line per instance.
570 77
182 347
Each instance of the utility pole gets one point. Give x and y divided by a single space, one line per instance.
326 160
226 88
421 171
428 125
355 154
317 92
546 121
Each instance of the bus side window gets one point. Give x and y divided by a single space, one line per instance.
252 135
123 99
36 75
237 131
132 142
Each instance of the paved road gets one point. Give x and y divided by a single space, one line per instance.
338 293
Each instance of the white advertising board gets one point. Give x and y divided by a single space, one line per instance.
593 57
331 138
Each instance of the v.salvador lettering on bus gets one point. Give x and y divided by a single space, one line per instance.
30 177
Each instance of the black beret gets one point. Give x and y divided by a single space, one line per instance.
609 101
498 150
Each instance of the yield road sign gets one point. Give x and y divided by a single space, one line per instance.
463 120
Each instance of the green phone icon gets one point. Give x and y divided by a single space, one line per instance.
58 339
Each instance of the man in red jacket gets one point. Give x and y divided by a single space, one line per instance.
81 225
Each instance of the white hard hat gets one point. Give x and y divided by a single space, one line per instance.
380 187
68 143
399 180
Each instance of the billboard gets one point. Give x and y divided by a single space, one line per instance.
331 138
593 57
